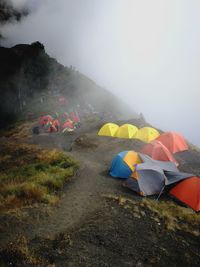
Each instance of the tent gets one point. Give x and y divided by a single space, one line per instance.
152 176
108 129
173 141
126 131
147 134
123 164
156 150
188 192
143 174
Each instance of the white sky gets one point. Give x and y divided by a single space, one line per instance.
145 51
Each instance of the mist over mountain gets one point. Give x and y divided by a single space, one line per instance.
145 52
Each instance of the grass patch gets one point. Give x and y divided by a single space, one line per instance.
174 216
18 130
29 174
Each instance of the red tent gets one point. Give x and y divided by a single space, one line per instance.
156 150
173 141
188 191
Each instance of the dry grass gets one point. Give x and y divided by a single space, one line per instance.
29 174
18 254
18 130
193 147
85 141
173 216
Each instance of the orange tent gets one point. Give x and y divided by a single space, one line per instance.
188 191
173 141
156 150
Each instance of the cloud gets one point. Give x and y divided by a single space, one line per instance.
146 52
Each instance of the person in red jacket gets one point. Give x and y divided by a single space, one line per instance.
45 120
52 128
56 124
75 118
63 117
67 126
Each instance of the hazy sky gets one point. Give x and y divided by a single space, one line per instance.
146 51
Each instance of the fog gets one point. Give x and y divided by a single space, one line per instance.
146 52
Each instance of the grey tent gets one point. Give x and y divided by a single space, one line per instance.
152 176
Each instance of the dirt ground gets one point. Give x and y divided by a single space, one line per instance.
89 227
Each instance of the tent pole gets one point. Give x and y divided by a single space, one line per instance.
160 193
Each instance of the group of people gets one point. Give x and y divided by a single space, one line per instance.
64 122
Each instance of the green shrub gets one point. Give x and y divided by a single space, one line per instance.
35 175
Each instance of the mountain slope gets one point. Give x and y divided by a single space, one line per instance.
28 73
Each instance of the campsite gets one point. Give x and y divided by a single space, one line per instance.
98 221
99 133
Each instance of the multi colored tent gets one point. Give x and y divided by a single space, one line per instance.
188 192
108 129
123 164
147 134
145 175
173 141
126 131
156 150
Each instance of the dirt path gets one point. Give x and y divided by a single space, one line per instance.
83 195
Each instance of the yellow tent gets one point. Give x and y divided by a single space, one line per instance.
147 134
127 131
108 129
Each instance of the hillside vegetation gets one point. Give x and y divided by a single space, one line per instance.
30 174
